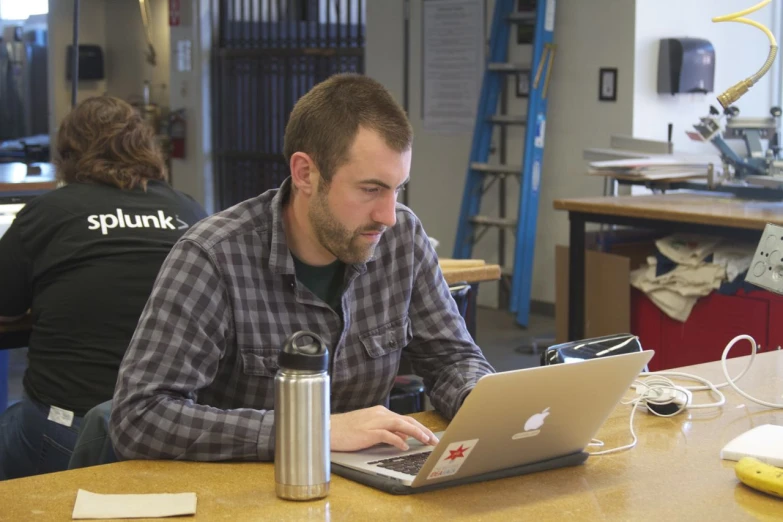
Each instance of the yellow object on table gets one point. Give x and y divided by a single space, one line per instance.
468 270
760 476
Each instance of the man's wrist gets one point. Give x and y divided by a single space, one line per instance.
463 394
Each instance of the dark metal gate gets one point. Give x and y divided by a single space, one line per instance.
266 55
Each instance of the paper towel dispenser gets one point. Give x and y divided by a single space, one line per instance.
686 65
90 62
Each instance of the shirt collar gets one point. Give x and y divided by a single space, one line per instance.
280 261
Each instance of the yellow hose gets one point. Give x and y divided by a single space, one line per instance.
754 24
734 93
746 12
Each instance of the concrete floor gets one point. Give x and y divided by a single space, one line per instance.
508 346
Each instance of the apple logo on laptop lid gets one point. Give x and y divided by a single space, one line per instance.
532 425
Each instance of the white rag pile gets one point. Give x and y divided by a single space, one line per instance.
676 292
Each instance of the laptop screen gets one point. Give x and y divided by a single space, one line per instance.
8 212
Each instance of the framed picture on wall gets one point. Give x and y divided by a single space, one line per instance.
523 84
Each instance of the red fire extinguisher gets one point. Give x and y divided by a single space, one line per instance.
177 133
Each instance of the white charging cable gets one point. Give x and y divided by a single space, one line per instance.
663 393
657 389
667 389
597 442
732 382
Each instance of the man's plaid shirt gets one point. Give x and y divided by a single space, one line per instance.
197 381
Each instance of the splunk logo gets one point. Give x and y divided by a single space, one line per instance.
122 220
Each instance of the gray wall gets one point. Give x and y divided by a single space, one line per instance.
586 41
739 52
92 30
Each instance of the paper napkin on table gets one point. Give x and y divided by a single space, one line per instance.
94 505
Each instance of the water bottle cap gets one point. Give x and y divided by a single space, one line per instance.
304 351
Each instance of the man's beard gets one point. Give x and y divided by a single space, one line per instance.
349 247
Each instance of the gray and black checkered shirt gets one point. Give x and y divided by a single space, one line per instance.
197 382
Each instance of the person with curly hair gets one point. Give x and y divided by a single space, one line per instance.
82 260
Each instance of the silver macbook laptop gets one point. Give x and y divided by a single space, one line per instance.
509 420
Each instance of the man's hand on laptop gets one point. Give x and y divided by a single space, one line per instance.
360 429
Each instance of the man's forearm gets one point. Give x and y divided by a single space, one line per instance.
178 429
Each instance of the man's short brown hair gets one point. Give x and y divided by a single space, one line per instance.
105 140
325 121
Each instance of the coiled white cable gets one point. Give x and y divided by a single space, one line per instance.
732 382
657 384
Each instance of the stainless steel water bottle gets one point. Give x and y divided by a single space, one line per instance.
302 466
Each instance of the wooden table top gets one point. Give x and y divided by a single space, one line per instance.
14 177
468 270
675 473
689 207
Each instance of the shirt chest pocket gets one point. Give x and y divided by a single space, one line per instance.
257 364
388 339
259 352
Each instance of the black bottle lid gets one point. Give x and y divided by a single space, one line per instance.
304 351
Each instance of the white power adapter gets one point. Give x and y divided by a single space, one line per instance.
664 399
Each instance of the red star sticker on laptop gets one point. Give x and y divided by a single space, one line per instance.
459 452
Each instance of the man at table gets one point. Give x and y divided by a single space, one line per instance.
332 252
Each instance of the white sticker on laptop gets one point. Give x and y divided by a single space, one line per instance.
452 458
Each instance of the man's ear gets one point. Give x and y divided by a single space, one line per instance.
303 172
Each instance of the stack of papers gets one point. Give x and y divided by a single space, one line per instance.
655 168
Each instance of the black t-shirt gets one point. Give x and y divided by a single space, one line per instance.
326 282
83 258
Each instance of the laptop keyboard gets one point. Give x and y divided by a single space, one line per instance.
408 464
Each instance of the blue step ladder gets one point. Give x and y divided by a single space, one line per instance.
481 174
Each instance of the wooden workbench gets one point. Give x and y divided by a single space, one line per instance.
468 270
711 209
707 213
675 473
